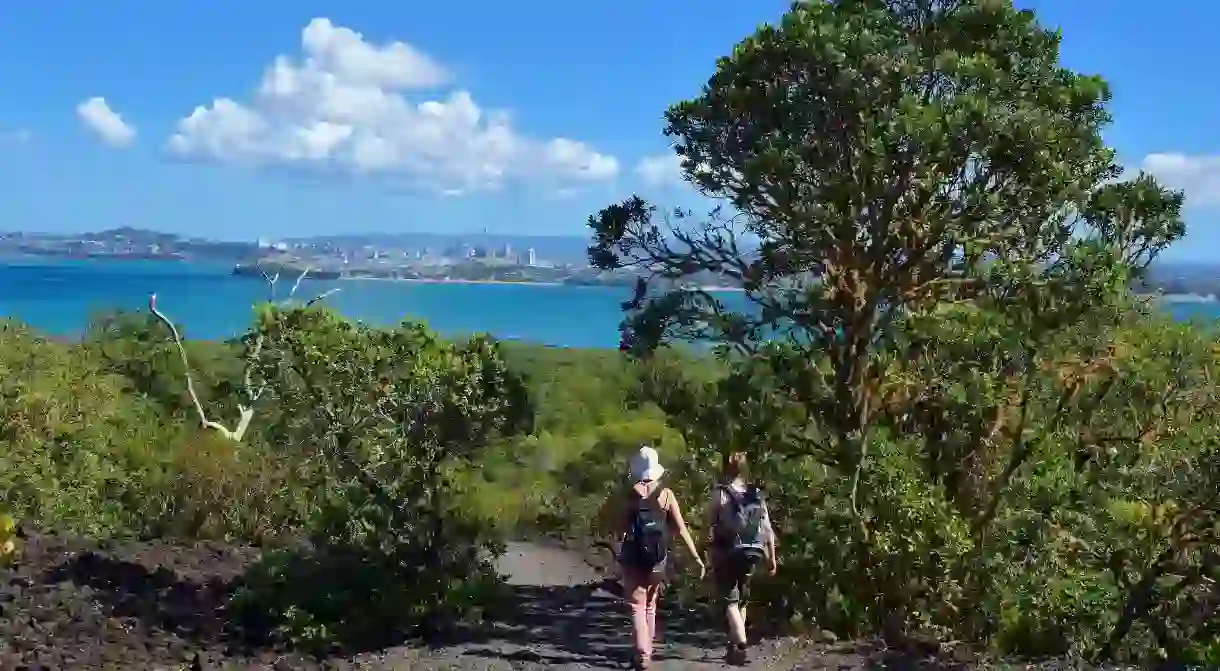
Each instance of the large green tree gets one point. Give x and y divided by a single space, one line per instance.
935 248
880 158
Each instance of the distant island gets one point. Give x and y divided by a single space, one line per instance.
439 260
437 257
422 257
124 243
459 272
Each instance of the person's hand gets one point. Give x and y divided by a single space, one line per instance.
702 567
773 567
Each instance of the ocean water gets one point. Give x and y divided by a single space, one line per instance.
60 297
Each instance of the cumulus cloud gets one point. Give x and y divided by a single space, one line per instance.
104 122
1197 175
350 105
660 170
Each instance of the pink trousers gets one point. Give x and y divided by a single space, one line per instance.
641 589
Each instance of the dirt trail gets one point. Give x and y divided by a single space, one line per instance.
70 604
568 617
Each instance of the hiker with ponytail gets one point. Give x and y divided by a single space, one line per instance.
742 538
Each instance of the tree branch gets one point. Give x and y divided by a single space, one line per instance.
246 412
1022 447
252 391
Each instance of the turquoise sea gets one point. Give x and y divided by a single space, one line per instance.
59 297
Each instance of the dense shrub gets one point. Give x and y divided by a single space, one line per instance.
388 413
77 451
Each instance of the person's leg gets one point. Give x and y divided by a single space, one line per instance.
654 594
737 622
745 577
635 590
736 651
736 591
728 595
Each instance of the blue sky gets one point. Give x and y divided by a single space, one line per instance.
557 103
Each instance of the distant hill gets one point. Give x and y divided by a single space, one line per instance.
129 233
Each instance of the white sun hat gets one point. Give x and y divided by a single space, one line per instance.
646 465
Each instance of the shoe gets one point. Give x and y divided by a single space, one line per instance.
735 655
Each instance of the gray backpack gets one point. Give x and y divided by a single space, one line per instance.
747 523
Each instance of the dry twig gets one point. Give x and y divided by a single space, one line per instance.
251 391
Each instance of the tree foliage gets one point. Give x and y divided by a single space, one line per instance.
938 333
388 413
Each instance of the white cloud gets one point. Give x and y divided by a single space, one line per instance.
660 169
97 116
344 106
1197 175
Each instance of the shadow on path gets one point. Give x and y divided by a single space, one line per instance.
562 611
580 624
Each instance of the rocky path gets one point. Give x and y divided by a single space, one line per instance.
567 616
73 605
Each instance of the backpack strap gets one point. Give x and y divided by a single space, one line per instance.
720 534
736 498
652 501
631 505
754 492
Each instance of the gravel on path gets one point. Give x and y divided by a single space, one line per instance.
73 604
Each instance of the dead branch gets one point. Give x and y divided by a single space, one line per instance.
251 391
246 411
297 285
271 280
322 295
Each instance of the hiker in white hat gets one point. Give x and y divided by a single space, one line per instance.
645 465
647 514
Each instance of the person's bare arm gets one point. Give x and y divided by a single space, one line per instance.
675 512
772 557
713 514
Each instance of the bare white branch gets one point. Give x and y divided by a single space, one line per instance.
321 296
246 412
252 390
271 280
297 284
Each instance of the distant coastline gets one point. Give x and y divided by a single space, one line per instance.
1182 298
528 283
60 297
442 280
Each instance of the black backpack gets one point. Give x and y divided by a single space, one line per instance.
647 542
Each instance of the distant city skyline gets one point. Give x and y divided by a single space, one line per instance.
547 248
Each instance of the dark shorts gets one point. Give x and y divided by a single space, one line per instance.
659 572
732 577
